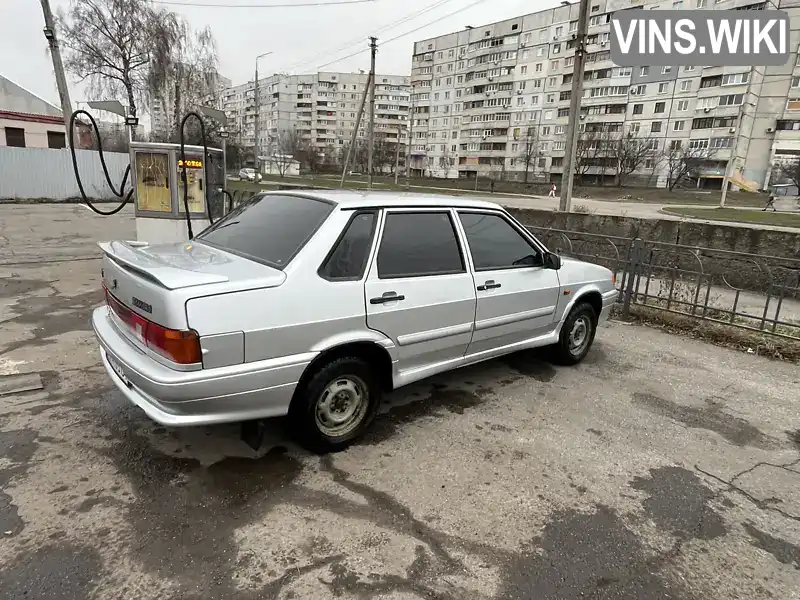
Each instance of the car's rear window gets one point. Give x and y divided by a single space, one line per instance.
269 229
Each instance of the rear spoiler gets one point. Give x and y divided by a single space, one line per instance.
129 257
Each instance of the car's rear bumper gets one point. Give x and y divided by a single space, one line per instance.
203 397
609 300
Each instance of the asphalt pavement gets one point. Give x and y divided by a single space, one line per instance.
660 468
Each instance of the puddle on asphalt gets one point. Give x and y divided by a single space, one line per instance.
711 417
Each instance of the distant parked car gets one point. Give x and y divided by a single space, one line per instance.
355 173
313 304
249 175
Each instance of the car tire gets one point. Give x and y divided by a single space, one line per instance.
329 395
577 335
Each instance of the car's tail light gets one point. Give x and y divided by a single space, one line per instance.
182 347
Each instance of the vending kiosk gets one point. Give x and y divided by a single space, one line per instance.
159 205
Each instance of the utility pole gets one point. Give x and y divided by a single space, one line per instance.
410 140
573 130
258 114
373 47
355 130
397 155
58 66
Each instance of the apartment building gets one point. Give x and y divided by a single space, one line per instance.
322 107
207 90
494 101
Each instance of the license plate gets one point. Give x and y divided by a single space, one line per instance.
118 370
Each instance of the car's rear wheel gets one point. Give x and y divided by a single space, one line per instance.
336 405
577 335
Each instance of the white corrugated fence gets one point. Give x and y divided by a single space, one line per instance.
48 174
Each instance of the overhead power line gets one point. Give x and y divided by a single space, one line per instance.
360 40
402 35
286 5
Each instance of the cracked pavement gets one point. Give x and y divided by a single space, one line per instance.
660 468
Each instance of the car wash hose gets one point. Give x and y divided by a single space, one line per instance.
183 170
119 194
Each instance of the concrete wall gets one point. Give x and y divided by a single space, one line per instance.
741 272
47 173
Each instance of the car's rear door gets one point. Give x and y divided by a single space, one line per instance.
516 295
419 291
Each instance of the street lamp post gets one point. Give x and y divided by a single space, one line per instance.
258 113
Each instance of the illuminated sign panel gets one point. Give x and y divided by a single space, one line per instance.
191 163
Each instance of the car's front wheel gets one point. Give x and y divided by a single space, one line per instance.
336 405
577 335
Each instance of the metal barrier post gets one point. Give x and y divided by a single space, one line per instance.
631 270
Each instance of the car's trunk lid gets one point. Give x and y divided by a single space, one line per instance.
156 280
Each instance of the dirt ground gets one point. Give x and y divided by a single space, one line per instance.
659 468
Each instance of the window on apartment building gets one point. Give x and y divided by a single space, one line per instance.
15 136
683 105
659 107
663 88
736 78
552 81
666 70
554 65
638 90
56 139
548 114
551 98
446 95
543 35
731 100
538 68
569 61
791 104
644 71
795 82
686 85
559 129
655 127
635 127
638 109
545 129
556 48
678 125
563 112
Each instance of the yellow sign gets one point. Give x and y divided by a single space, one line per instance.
191 164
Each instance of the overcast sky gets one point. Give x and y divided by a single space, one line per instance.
301 39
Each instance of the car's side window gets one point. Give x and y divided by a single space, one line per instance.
347 260
495 244
419 244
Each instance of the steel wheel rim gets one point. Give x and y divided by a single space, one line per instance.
579 336
341 406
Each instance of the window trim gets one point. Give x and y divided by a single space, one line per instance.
514 224
388 210
341 235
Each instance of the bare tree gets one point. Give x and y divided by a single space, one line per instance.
590 146
183 72
530 150
629 153
287 147
684 161
110 43
445 162
790 170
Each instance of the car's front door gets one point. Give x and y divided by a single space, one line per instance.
517 296
419 291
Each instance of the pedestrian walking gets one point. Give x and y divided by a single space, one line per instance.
770 203
552 193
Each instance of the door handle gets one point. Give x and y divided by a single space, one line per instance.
489 285
386 297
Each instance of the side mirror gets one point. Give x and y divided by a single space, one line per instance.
552 261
